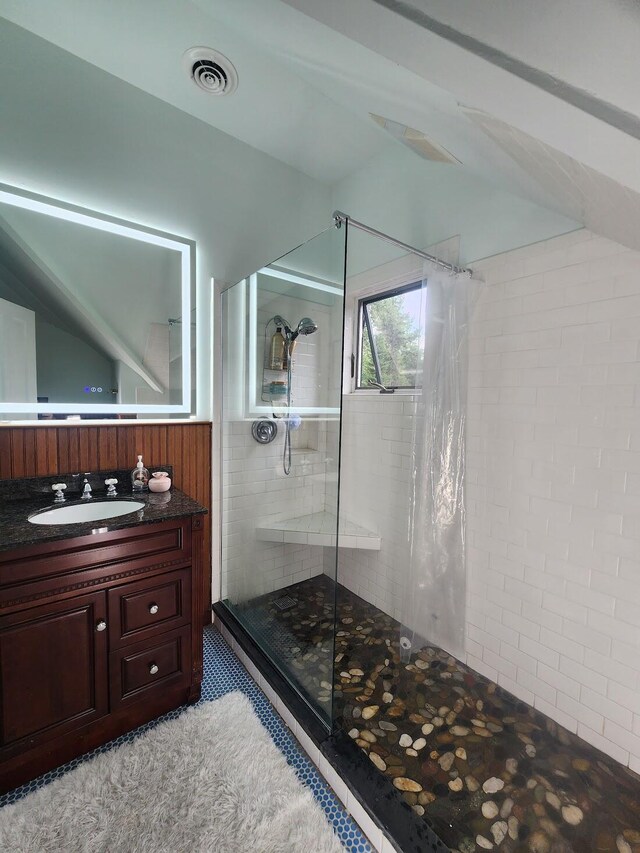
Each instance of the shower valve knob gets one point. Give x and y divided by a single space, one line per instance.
264 431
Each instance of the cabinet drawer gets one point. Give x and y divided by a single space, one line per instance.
144 608
138 670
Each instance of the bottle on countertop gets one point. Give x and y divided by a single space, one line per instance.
140 477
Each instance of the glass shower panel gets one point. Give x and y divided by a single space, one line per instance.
282 346
384 330
400 692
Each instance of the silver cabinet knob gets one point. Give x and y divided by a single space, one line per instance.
153 609
153 669
101 626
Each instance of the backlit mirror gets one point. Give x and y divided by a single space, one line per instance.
275 291
95 313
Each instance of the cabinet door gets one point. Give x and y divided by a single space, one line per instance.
53 670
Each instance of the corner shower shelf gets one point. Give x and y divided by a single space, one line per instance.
318 528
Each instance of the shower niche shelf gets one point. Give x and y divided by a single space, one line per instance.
319 528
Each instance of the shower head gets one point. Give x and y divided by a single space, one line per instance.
306 326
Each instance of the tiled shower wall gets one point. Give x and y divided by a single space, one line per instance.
257 491
553 463
553 498
374 492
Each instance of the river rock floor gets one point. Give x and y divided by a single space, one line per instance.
483 769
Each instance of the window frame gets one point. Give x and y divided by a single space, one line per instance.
363 319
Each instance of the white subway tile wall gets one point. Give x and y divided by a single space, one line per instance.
553 498
553 486
375 480
258 492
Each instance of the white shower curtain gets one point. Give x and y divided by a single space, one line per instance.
435 590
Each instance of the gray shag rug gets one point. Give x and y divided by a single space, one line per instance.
210 780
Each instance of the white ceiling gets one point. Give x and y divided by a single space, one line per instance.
274 110
399 31
602 205
588 44
306 92
311 73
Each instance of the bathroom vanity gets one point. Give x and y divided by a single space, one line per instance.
100 628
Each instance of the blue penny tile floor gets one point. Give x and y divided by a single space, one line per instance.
224 673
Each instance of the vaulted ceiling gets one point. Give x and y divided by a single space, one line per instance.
513 95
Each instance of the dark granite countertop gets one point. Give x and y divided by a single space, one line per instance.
21 498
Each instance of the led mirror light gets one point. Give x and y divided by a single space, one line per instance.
28 201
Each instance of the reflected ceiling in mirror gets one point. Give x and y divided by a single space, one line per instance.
91 313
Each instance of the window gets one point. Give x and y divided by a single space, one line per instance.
391 338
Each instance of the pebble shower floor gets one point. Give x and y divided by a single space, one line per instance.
224 673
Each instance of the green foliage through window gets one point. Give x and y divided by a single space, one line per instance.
391 338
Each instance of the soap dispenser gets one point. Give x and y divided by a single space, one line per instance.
140 477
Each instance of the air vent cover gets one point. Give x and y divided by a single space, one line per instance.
210 71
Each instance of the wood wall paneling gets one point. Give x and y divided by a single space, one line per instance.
50 450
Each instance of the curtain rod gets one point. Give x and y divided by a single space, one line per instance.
339 217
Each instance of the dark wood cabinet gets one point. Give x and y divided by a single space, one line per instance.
98 634
53 665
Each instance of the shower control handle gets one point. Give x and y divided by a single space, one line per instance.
264 430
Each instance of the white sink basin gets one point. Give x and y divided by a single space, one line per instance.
92 510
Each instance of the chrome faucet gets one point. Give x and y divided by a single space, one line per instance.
111 487
59 489
86 492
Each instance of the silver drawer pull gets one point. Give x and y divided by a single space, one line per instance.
153 669
153 609
101 626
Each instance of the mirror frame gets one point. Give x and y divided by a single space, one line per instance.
18 197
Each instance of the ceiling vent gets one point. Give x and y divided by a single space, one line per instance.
415 140
210 71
